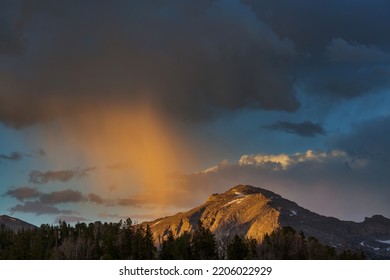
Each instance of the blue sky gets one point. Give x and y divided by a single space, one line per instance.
142 109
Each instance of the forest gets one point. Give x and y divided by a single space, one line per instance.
125 241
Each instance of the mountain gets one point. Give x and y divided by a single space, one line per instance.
14 224
252 212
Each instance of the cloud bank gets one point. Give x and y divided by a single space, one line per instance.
185 58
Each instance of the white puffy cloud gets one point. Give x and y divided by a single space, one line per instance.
284 161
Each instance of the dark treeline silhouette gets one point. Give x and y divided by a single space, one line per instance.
126 241
287 244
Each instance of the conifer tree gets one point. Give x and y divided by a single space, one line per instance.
204 246
168 248
183 247
237 249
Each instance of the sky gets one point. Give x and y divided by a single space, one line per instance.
142 109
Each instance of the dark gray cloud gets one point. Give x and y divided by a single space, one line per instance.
339 50
191 59
347 79
26 194
17 156
305 129
11 30
343 52
312 25
110 202
96 198
133 202
64 196
187 58
39 208
14 156
23 193
38 177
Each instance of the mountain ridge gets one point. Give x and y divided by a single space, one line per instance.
14 223
252 212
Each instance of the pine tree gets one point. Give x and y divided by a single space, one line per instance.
183 247
237 249
150 249
126 236
204 246
168 247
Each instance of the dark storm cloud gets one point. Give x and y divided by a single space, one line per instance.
344 52
313 24
10 28
352 70
39 208
23 193
187 57
340 50
39 177
14 156
305 129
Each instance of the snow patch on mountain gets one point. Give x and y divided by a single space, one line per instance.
238 201
364 245
156 223
239 194
293 213
384 241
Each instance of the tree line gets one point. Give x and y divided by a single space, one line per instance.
123 240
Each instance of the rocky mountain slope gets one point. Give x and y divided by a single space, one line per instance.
252 212
14 224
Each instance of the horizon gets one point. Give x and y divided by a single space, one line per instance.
142 110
